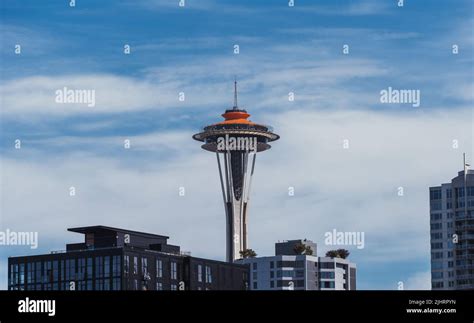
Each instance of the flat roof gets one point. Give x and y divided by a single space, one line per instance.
102 228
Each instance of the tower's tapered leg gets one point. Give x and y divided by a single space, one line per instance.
235 180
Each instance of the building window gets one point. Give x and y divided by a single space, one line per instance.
22 274
174 287
459 192
254 266
436 245
159 286
99 267
126 264
435 194
135 265
272 274
116 283
199 273
437 235
272 284
470 191
99 284
437 284
460 203
174 270
286 273
30 273
107 266
327 284
81 269
437 265
159 268
208 275
437 275
437 255
326 265
435 205
89 285
144 266
451 283
89 268
116 266
135 284
47 273
70 269
449 193
272 264
255 285
436 226
38 274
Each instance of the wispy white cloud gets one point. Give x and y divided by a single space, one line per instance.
357 8
419 281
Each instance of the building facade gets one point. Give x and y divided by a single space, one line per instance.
118 259
288 270
452 233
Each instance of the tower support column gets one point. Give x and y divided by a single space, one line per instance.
235 178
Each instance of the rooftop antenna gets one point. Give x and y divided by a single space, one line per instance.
235 93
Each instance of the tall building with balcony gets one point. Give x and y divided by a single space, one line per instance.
289 269
452 233
118 259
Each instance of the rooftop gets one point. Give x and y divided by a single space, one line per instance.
105 229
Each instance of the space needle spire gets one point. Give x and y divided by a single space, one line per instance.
235 94
236 142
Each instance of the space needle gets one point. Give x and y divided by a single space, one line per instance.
236 164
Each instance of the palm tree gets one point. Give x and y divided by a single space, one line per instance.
308 251
339 253
343 253
302 249
299 248
248 253
332 253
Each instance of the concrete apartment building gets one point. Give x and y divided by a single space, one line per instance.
288 270
452 233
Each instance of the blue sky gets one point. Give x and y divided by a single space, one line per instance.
282 49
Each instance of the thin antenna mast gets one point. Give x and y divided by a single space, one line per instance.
235 93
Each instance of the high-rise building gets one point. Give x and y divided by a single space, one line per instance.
118 259
452 233
291 270
236 141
